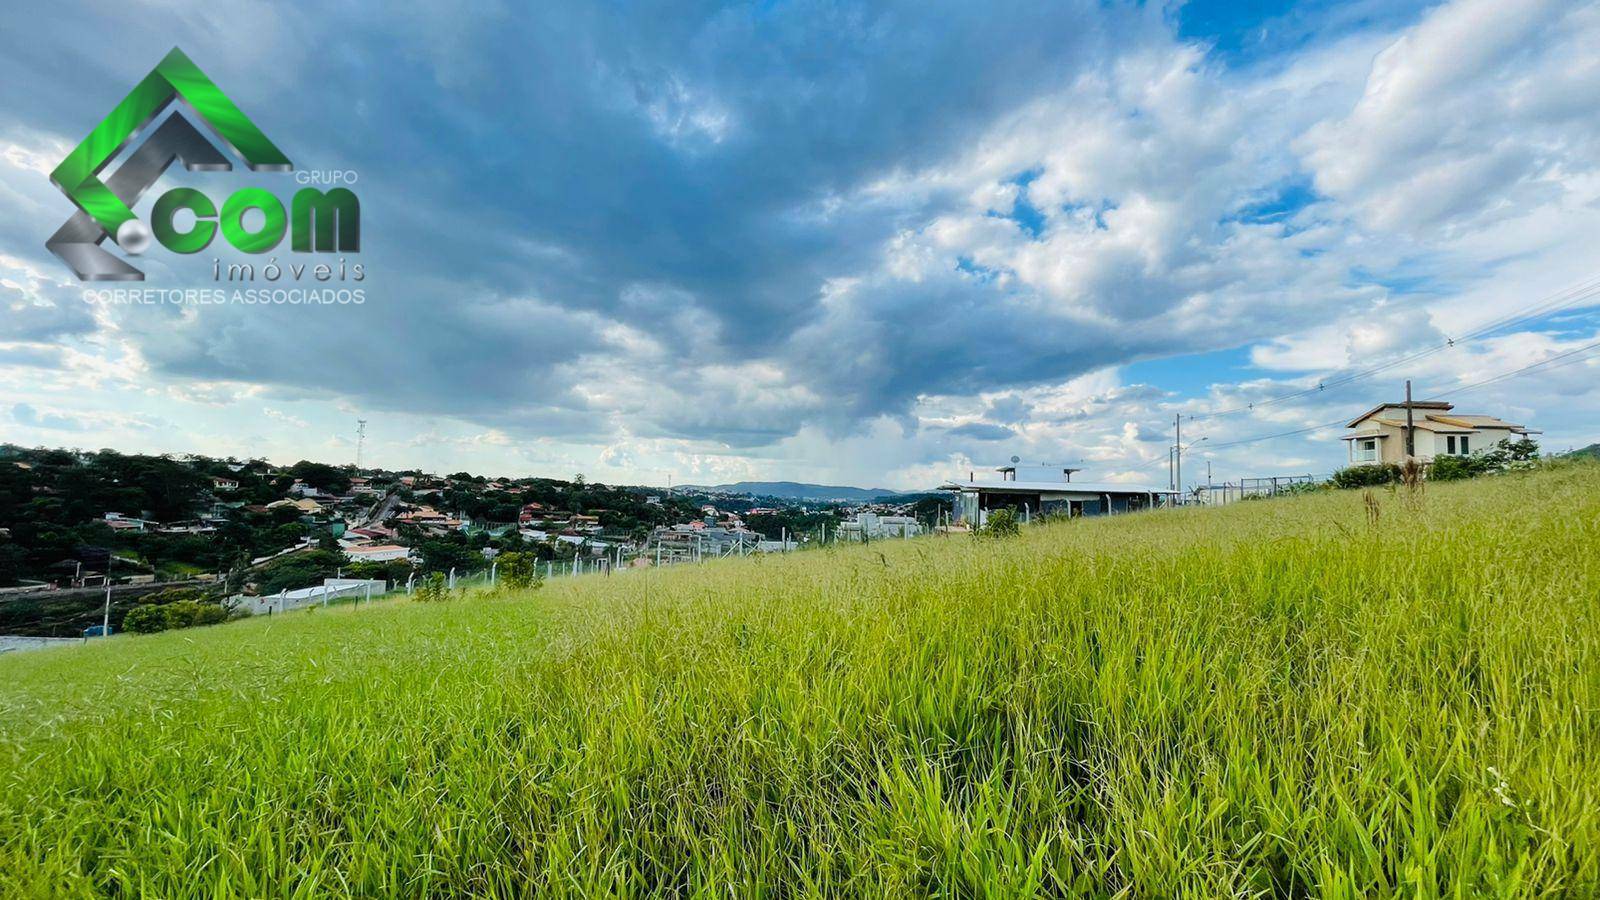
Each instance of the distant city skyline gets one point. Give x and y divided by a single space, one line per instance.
883 246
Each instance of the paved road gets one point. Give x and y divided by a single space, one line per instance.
15 643
383 510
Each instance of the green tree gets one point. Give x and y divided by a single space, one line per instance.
12 559
298 570
323 477
442 554
518 571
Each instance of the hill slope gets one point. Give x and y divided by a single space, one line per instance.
1323 696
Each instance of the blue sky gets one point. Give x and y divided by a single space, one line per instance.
845 243
1250 32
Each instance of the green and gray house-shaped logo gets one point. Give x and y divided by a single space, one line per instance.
105 207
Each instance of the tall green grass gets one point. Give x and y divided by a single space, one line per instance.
1319 696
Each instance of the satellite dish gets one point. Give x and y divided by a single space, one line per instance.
1015 460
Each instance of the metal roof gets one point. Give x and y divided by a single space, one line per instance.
1415 404
1425 424
1015 466
1053 487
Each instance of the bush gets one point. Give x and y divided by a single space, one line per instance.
149 618
181 614
210 614
518 571
1505 456
1457 468
1002 523
1367 476
146 618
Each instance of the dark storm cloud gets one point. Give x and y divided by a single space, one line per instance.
534 178
567 154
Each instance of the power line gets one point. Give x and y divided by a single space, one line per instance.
1567 297
1281 434
1571 357
1528 368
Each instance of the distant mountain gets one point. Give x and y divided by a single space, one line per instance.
794 490
1592 451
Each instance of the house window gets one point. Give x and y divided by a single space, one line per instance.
1364 450
1456 446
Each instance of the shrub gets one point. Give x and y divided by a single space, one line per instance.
518 571
1002 523
1367 476
210 614
173 595
1523 450
149 618
181 614
146 618
1457 468
1505 456
431 589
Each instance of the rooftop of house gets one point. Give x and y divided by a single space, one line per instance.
368 549
1439 405
1432 415
1046 487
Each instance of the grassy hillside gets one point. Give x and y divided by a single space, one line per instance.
1331 696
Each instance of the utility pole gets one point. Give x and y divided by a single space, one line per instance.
1177 455
1411 441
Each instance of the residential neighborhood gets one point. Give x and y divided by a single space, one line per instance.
259 537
